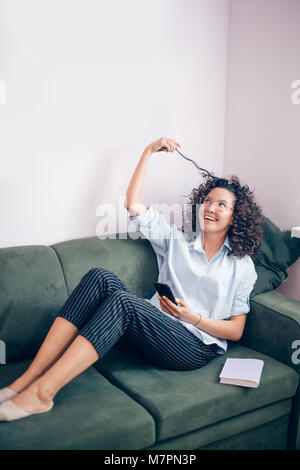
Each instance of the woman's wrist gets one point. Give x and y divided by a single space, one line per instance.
197 322
147 152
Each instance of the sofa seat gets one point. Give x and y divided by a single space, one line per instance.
183 402
88 413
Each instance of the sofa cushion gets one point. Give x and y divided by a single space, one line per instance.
32 290
181 402
88 413
235 433
133 261
277 253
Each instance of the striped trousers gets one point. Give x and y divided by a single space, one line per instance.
106 313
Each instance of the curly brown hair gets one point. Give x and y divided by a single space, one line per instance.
246 233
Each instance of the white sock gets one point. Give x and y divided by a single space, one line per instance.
7 393
9 411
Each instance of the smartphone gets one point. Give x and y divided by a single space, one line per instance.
164 290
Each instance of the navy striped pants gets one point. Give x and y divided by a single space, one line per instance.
106 313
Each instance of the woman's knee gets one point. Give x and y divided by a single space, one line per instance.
97 273
121 296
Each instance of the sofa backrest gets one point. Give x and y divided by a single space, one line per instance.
35 282
32 289
133 261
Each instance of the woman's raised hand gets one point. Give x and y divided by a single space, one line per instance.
164 143
133 199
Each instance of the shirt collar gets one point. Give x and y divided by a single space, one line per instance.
196 242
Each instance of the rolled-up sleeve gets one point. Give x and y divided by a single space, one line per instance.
154 226
241 301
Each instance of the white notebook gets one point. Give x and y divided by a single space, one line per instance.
243 372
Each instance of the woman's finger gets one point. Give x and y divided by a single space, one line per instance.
174 143
164 305
168 146
161 302
171 306
171 144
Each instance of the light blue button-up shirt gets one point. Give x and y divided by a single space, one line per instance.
219 288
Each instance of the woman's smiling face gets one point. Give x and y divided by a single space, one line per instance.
218 216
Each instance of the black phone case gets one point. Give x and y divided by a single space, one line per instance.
165 290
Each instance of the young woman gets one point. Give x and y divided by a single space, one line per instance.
210 272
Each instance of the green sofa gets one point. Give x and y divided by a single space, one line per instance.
122 402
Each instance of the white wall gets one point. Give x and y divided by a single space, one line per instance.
262 124
89 84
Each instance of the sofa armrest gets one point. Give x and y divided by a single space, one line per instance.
273 328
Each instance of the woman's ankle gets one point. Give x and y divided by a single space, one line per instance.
42 390
22 382
16 386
